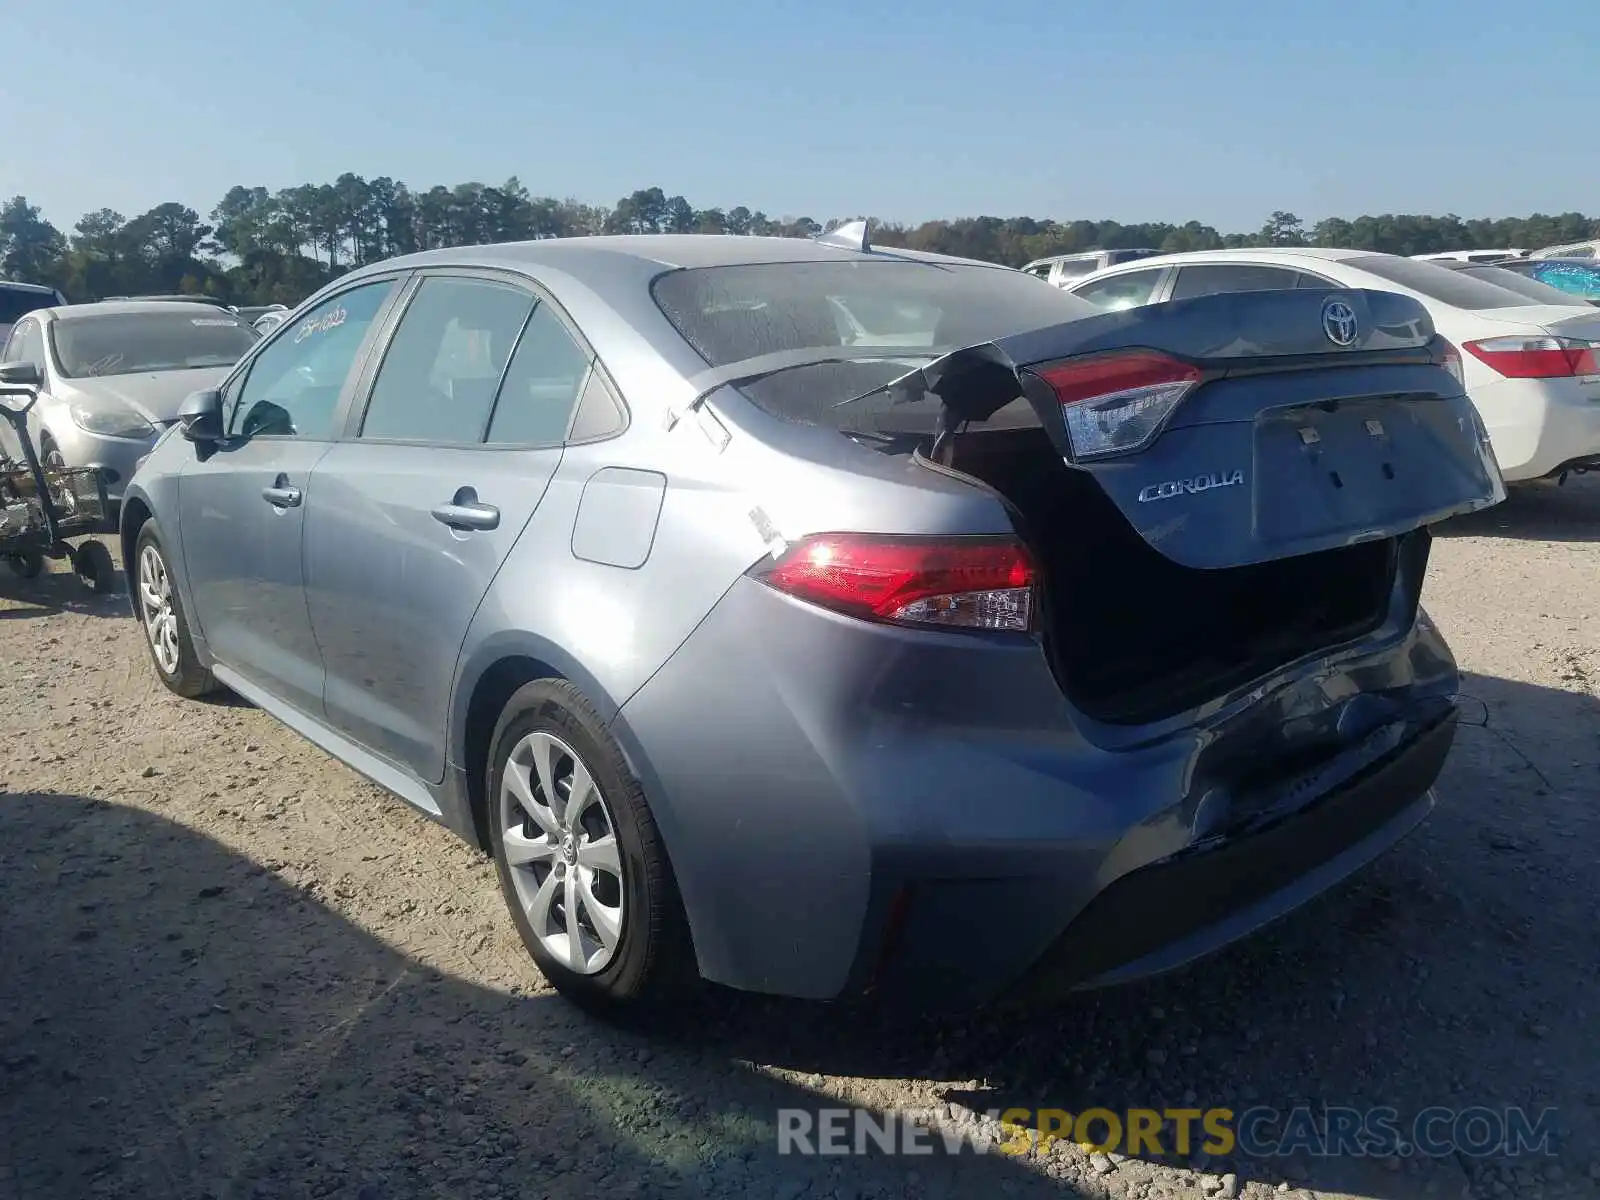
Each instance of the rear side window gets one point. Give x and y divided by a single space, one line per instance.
16 303
1077 268
542 385
1129 290
1455 288
1208 279
440 373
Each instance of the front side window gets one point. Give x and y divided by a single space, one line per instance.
186 338
1129 290
440 372
293 386
1209 279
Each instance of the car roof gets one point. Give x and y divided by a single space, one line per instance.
113 308
650 254
18 286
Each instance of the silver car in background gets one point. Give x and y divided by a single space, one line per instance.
112 375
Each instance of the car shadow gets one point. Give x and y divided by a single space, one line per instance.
177 1020
58 590
1537 511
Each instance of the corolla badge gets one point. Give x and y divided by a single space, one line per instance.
1339 323
1190 487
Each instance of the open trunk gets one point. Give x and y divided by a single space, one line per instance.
1135 636
1216 488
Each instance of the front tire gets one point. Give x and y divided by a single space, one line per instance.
160 613
581 862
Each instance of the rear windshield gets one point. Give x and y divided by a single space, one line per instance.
1539 293
16 303
1455 288
729 314
126 343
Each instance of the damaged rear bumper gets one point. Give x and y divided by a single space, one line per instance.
851 808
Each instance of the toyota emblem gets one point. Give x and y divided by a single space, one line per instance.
1339 323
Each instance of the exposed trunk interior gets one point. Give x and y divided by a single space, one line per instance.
1134 636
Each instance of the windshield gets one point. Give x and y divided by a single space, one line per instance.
1458 289
1539 293
734 313
128 343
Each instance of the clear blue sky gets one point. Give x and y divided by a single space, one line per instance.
1123 109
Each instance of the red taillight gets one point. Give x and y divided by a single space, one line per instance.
1114 403
964 582
1537 357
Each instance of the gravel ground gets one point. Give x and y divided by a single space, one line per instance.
230 968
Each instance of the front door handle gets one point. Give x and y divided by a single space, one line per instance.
281 495
467 515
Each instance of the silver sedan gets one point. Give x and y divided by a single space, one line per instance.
112 375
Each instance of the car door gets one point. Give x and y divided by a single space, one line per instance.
412 515
241 505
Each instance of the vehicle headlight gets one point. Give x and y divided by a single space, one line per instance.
111 421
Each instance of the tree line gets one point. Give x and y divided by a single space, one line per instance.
260 247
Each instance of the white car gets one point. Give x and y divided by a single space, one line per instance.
1531 363
1589 249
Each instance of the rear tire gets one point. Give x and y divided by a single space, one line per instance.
161 617
627 944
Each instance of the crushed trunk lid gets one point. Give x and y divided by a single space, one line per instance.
1239 428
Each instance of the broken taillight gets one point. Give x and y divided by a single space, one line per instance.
958 582
1116 403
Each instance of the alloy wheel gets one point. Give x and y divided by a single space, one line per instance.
155 606
560 843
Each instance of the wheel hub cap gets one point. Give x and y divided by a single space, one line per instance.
560 843
155 605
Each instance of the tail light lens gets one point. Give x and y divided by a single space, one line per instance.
1450 360
1537 357
964 583
1116 403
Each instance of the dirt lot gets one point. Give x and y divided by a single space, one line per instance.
230 968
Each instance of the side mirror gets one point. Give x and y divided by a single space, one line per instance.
20 375
201 416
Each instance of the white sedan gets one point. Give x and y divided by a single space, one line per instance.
1531 363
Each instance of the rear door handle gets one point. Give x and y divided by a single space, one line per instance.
281 496
470 515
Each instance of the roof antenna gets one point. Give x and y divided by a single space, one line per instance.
851 235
